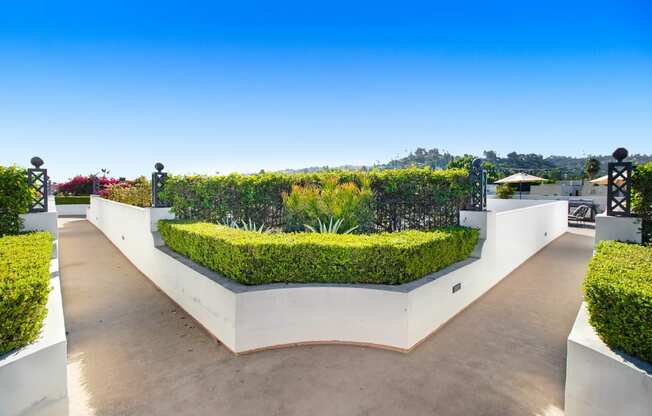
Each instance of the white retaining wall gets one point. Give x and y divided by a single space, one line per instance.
626 229
601 382
72 209
33 378
43 221
247 318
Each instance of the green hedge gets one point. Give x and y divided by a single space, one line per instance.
15 197
618 291
412 198
24 287
642 197
72 200
258 258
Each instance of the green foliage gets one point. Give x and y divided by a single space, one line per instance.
24 287
504 191
307 206
72 200
642 197
15 197
330 227
618 291
253 258
137 192
464 162
413 198
591 167
246 226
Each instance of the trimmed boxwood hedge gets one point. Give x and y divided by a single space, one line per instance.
258 258
73 200
618 291
24 287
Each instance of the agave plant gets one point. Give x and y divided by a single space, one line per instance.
330 227
251 226
248 225
229 222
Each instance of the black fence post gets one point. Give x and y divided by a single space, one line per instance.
158 185
478 179
619 185
37 179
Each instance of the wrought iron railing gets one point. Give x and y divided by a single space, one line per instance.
158 185
619 185
37 178
478 179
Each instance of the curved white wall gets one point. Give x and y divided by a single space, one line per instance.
247 318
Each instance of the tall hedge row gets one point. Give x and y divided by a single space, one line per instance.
412 198
24 287
618 292
642 197
15 197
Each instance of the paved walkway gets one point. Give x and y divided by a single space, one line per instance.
131 351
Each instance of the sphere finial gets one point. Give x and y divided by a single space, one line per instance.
620 154
36 161
159 166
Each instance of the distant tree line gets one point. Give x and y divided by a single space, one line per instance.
554 168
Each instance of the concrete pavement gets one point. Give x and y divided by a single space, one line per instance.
133 352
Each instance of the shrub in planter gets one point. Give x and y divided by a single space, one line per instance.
504 191
83 185
642 197
72 200
346 203
15 197
618 292
258 258
24 287
137 192
411 198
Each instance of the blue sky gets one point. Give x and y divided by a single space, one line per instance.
244 86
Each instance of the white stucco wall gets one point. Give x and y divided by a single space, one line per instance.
72 209
43 221
601 381
626 229
250 318
33 378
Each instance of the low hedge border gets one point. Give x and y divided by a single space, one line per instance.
24 287
254 258
618 292
73 200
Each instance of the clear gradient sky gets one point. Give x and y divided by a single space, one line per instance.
244 86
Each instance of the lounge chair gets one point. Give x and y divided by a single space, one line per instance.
581 213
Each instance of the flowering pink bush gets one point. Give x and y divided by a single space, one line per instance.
83 185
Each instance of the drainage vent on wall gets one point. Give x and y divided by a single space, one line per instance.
457 287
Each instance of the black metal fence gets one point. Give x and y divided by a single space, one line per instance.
158 186
619 185
38 180
478 179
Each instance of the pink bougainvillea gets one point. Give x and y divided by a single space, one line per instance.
83 185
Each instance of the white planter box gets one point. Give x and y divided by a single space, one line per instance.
72 209
248 318
601 381
33 378
43 221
